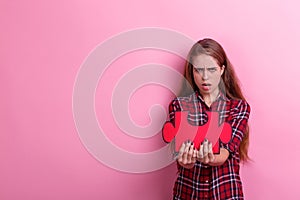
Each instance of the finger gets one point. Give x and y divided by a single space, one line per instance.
205 148
187 146
179 158
181 150
194 156
205 151
195 153
211 155
185 153
206 159
190 153
200 152
209 147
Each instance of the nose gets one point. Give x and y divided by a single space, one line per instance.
204 75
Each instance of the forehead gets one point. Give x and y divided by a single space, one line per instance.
203 60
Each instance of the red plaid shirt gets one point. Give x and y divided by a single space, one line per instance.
212 182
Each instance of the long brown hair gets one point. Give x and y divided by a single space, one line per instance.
229 85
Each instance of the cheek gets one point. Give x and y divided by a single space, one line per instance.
218 79
197 77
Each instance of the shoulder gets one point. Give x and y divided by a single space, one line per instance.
240 107
239 103
182 102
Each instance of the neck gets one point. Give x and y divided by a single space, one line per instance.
211 97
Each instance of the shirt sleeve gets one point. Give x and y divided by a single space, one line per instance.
173 107
238 121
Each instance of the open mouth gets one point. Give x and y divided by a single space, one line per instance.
206 86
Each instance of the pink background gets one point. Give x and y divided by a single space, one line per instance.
43 44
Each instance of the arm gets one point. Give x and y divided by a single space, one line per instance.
220 158
206 156
238 121
187 154
187 166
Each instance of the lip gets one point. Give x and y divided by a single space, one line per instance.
205 86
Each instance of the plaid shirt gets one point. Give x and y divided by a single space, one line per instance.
212 182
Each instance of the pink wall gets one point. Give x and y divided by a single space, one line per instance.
43 45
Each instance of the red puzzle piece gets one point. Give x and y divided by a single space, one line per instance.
183 131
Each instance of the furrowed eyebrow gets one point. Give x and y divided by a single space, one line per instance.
204 68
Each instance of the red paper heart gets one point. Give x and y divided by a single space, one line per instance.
182 130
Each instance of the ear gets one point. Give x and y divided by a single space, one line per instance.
222 69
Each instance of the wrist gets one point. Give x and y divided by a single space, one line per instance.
187 166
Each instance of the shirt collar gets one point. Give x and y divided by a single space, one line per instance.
221 96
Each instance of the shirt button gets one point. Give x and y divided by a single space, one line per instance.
206 181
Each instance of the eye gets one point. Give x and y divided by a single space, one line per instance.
212 69
199 70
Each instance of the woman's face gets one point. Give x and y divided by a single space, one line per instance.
207 74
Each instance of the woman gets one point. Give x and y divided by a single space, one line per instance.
211 85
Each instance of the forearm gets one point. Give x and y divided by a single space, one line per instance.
187 166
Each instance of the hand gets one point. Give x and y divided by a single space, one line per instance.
187 155
205 153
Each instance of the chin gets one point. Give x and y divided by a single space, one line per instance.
205 91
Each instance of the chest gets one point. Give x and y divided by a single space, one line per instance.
200 113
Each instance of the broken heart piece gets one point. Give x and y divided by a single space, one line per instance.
182 131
